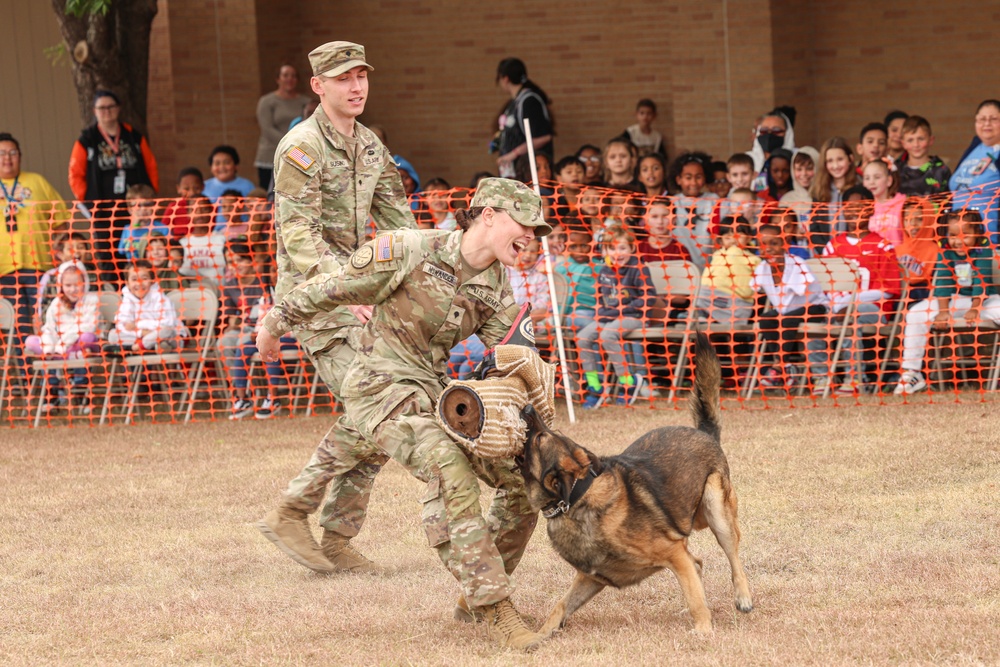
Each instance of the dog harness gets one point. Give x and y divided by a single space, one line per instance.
580 487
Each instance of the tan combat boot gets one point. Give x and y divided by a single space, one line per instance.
338 550
289 529
465 613
506 627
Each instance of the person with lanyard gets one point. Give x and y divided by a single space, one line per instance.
431 289
108 157
32 209
529 101
331 174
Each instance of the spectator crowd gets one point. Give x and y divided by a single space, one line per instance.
921 234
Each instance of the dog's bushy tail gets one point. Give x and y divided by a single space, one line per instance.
704 401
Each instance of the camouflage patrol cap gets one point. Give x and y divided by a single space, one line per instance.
514 197
335 58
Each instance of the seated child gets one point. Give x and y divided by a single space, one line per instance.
70 247
653 175
658 244
918 252
872 145
158 250
881 179
230 220
569 173
72 327
794 296
881 287
224 162
532 286
436 212
719 184
963 294
625 293
190 183
581 280
920 173
740 172
141 207
244 297
146 320
693 206
204 252
795 241
741 202
726 295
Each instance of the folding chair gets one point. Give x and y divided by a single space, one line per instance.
198 304
837 276
109 302
962 363
671 279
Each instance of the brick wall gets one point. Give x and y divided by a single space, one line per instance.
712 69
206 52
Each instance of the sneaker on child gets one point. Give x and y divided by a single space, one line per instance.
241 408
593 399
268 408
910 383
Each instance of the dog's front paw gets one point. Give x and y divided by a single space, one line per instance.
744 604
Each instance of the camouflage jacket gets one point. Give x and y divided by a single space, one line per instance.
423 308
323 195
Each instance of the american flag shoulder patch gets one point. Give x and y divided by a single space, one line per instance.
383 248
300 158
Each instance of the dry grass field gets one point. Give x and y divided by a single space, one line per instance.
870 537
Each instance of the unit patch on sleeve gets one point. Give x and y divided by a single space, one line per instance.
362 257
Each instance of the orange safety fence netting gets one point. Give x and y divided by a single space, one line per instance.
804 306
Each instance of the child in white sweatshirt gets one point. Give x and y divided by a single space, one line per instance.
146 320
72 327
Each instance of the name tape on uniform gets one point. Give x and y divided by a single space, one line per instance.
486 298
440 274
337 164
300 158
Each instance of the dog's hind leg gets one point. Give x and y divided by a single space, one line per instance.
719 506
682 564
580 592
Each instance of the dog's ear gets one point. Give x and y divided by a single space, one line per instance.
586 458
595 463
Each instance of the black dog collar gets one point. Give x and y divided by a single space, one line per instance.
580 487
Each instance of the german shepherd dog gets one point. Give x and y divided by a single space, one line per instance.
619 519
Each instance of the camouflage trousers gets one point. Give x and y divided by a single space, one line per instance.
481 553
344 461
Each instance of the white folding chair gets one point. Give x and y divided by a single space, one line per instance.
197 304
8 330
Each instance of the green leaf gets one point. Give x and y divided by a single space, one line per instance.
80 8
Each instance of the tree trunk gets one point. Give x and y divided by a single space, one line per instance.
110 52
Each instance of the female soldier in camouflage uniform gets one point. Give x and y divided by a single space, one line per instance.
430 291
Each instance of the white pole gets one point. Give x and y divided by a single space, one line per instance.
556 315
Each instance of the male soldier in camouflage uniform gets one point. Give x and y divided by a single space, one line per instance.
432 290
330 172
